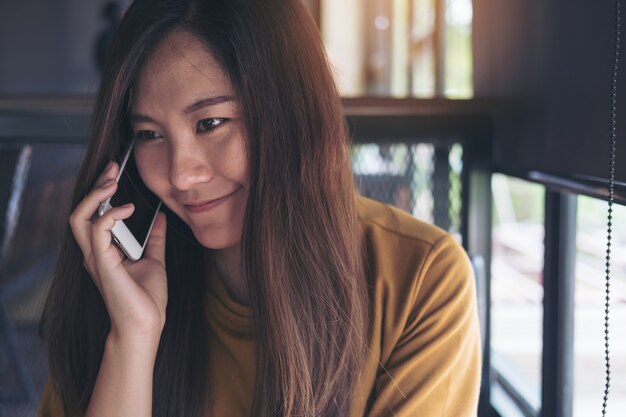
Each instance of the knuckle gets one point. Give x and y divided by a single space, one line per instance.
104 222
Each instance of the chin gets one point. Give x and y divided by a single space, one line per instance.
216 241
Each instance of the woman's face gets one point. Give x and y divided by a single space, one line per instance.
189 140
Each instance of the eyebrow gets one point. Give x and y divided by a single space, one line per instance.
199 104
206 102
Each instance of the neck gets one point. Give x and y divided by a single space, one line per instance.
229 269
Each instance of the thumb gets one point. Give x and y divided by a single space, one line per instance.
155 248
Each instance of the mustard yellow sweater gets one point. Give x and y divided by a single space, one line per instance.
424 358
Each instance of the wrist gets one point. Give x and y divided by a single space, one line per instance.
127 343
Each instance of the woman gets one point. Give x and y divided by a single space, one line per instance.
271 289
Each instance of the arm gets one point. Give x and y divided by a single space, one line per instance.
124 383
123 386
434 368
135 295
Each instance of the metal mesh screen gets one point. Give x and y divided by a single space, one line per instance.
420 178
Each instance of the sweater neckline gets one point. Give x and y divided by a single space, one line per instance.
223 308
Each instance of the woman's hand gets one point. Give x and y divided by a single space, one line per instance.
135 293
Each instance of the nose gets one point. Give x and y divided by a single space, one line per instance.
188 167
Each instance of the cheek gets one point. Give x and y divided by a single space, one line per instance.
232 160
152 169
239 168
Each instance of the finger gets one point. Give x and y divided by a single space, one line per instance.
81 218
119 251
110 173
155 248
102 245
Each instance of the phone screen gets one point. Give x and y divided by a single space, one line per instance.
131 189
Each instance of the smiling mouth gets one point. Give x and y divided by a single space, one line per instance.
201 207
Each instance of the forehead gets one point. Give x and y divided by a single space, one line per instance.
181 66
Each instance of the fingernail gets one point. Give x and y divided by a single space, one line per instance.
129 205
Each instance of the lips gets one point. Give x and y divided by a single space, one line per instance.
203 206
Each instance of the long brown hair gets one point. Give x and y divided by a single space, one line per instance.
301 243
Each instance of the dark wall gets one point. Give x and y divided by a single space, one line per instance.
46 46
553 60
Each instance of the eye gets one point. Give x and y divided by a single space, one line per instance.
206 125
146 135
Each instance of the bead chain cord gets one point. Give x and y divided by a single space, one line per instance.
607 358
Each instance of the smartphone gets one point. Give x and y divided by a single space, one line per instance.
131 234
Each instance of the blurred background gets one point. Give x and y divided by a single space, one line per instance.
488 118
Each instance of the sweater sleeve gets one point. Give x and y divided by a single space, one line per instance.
434 367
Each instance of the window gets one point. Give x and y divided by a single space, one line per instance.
589 290
517 286
400 48
547 300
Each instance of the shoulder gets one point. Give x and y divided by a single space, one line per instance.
50 403
424 347
383 219
398 243
412 267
